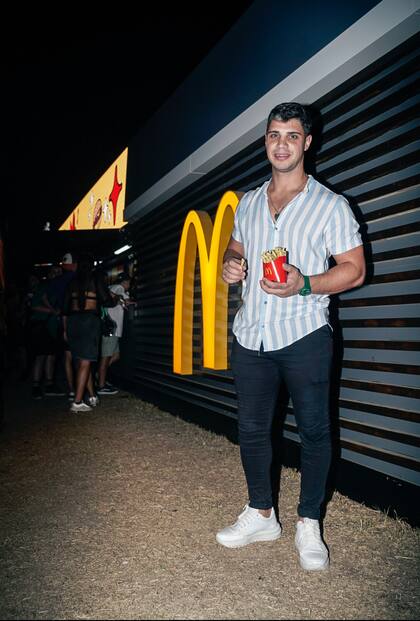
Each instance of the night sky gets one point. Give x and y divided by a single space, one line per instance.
74 96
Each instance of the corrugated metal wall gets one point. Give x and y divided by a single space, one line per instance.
370 154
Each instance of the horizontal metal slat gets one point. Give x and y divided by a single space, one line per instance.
388 185
387 255
181 393
380 301
406 322
382 367
402 438
402 345
395 277
393 458
395 231
377 156
365 449
391 334
396 208
380 410
390 73
388 101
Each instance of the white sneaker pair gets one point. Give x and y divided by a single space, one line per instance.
251 526
85 407
80 407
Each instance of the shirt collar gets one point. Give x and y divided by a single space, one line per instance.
305 189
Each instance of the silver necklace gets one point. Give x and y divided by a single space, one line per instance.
276 212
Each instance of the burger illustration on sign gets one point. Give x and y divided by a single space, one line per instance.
97 213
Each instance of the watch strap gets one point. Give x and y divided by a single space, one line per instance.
306 289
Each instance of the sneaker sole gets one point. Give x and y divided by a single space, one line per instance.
80 411
264 536
314 567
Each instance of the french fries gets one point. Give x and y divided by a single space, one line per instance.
271 255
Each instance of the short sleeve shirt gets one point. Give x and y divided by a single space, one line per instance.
316 224
117 312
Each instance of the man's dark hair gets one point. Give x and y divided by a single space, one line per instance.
292 110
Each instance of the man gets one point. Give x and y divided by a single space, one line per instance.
110 351
281 331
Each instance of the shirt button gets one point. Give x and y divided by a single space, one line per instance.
265 302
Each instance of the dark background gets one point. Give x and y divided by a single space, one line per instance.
74 94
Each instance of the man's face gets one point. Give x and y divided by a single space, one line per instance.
285 144
126 284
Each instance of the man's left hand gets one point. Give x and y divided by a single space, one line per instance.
293 285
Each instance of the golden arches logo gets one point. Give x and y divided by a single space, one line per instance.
198 232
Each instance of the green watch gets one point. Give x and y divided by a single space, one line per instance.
306 289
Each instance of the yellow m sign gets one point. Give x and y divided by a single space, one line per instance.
198 232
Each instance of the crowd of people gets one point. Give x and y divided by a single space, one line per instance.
53 330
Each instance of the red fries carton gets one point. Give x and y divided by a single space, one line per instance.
273 261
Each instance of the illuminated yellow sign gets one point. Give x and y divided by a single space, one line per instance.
103 206
198 232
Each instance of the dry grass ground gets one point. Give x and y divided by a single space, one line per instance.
113 514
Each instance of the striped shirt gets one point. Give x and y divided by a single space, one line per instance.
316 224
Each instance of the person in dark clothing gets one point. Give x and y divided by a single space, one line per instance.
56 294
43 329
84 298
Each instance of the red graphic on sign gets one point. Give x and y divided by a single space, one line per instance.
113 197
73 222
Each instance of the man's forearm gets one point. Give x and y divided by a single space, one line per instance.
338 279
231 254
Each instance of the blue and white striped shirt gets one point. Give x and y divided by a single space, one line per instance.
316 224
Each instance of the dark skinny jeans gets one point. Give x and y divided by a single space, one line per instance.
305 368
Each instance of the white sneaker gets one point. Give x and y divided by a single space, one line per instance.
313 553
249 527
80 407
93 401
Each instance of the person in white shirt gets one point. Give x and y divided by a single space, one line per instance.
282 331
110 350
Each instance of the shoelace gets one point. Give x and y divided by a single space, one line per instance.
244 519
310 533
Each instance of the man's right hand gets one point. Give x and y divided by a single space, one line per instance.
234 270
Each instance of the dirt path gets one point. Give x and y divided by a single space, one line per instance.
112 515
